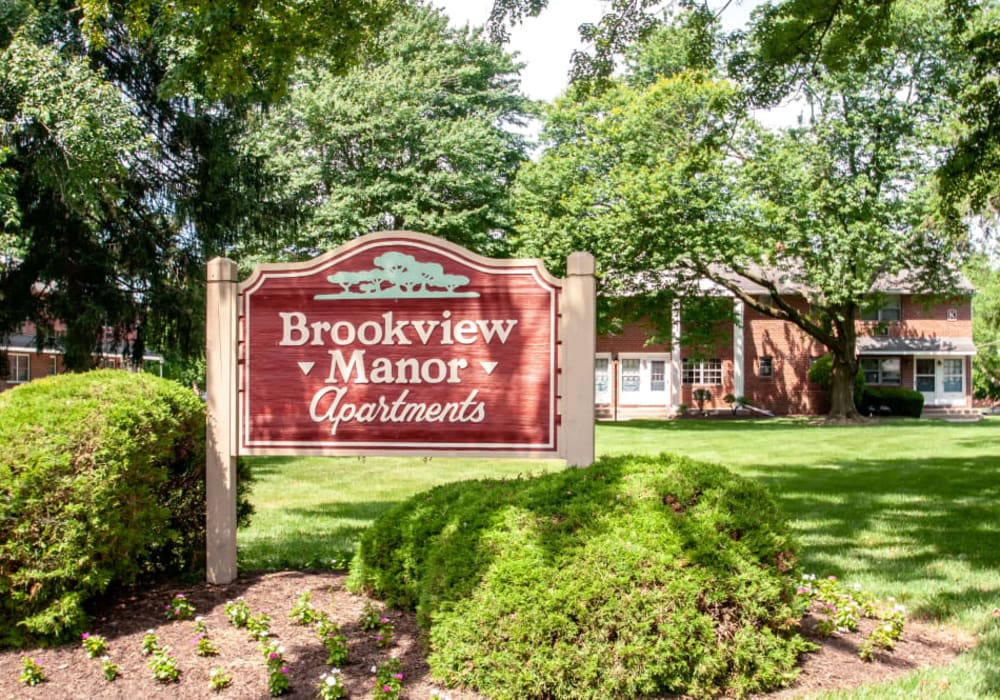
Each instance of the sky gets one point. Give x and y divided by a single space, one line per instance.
545 43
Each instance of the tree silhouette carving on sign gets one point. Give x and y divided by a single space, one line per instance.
398 275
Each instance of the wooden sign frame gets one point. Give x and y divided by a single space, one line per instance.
263 343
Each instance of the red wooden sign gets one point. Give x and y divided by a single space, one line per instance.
399 342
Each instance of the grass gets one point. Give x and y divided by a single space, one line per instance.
909 509
309 511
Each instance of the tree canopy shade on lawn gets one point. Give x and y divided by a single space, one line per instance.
674 175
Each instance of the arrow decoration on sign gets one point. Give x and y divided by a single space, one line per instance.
488 367
306 367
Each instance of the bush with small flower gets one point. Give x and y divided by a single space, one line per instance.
238 612
219 679
199 625
331 685
388 682
277 670
373 620
179 608
370 616
150 642
164 665
303 612
885 636
332 640
109 668
259 625
384 633
843 607
94 644
203 645
31 672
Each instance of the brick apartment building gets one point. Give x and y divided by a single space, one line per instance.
26 362
913 341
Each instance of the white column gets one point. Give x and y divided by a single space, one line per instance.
675 354
221 413
578 333
738 358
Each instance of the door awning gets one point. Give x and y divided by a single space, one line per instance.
885 345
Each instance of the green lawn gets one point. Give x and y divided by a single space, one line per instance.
909 509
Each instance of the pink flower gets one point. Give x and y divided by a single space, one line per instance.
386 688
383 620
284 669
85 635
274 655
398 676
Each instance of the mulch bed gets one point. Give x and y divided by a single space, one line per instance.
124 622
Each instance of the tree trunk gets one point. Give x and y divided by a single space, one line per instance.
842 377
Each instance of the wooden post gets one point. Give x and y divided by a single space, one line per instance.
221 351
579 342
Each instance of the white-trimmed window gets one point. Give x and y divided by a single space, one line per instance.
891 310
657 375
19 367
765 367
701 371
53 364
882 370
602 375
953 376
631 378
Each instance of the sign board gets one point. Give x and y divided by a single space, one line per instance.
400 342
395 343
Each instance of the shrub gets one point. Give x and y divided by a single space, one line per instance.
101 481
701 396
900 401
636 577
822 368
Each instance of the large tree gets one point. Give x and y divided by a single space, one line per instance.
674 176
417 136
788 41
985 275
120 171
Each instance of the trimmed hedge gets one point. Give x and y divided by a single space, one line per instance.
101 481
900 402
636 577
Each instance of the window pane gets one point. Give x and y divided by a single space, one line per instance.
630 375
891 364
766 368
18 366
925 366
656 375
925 384
601 374
953 379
